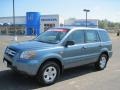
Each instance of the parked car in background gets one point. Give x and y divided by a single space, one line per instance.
57 49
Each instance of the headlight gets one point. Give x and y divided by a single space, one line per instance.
28 54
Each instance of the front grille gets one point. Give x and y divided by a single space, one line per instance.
10 52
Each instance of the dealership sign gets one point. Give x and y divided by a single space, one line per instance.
90 23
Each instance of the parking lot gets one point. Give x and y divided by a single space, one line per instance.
80 78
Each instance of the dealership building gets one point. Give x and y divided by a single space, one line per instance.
32 24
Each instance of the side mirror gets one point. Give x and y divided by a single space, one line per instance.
69 43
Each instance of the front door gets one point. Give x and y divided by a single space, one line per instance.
74 54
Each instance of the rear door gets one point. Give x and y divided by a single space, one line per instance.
92 46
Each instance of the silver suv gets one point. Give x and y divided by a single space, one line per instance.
57 49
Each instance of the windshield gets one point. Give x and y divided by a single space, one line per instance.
53 36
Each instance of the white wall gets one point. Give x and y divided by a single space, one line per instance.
9 20
46 17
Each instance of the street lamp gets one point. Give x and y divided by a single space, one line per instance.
86 10
15 38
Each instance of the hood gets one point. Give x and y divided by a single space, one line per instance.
31 45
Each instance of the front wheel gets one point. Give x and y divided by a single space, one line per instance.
48 73
102 62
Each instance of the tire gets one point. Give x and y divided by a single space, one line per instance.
102 62
48 73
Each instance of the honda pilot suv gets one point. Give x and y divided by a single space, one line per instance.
57 49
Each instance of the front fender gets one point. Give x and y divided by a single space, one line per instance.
49 56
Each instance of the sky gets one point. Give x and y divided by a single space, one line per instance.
99 9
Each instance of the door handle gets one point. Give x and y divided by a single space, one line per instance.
100 45
84 47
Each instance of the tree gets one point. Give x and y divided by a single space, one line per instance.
105 24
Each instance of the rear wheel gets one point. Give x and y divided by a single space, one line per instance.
48 73
102 62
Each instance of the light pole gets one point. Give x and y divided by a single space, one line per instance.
15 38
86 10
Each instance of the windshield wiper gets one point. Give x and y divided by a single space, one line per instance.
41 41
45 42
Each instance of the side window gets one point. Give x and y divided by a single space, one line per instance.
104 36
91 36
77 36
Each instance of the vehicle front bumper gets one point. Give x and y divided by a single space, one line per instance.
29 67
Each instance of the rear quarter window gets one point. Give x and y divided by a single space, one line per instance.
104 36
